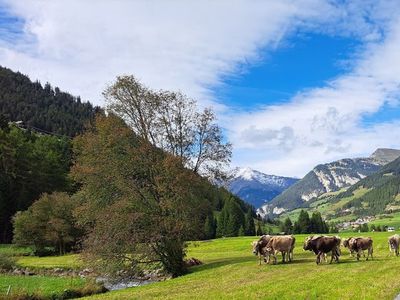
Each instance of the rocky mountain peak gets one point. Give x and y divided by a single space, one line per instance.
385 155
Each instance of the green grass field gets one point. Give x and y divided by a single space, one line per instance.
388 220
45 286
70 261
232 272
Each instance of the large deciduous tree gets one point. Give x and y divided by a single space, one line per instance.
138 203
171 121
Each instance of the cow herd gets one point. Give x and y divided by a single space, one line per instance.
269 246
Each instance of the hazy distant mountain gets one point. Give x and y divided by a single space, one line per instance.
329 177
257 188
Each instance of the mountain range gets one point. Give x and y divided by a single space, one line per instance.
257 188
328 178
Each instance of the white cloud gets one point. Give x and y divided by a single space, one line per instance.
187 45
81 46
326 123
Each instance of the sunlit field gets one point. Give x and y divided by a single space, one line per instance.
232 272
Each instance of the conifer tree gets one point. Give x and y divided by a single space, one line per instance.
250 228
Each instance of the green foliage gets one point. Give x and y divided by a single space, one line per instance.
46 108
210 227
30 164
7 262
303 224
14 250
306 225
138 200
287 226
364 227
259 230
231 219
48 222
249 226
317 225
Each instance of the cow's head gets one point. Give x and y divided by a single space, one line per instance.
307 243
346 242
256 247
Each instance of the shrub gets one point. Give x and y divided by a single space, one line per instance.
6 262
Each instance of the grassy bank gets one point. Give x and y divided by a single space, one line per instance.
43 286
232 272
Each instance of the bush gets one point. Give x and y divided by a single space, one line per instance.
6 262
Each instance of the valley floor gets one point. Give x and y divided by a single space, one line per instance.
232 272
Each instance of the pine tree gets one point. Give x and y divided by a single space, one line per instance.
250 228
241 231
287 226
209 227
317 225
259 230
303 222
222 222
235 218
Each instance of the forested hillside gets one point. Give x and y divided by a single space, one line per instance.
30 164
43 107
383 190
153 189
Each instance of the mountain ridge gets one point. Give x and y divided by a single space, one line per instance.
255 187
329 177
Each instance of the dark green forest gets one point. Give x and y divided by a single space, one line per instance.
42 107
30 164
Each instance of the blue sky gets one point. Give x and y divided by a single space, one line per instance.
305 61
294 83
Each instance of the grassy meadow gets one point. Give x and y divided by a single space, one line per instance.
232 272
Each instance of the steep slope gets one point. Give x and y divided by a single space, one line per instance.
43 107
382 192
327 178
257 188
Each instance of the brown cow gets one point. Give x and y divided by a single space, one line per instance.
394 243
352 251
259 246
321 245
284 244
358 244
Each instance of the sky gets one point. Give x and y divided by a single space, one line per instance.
294 83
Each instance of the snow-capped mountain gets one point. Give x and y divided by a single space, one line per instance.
255 187
328 177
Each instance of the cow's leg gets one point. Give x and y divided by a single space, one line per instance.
332 255
283 256
397 251
318 260
358 254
